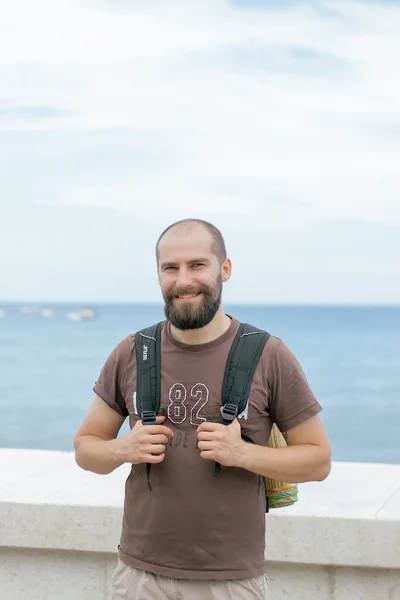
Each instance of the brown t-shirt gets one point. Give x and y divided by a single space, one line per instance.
193 525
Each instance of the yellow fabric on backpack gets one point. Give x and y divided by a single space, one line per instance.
280 493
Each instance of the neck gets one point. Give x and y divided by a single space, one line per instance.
217 327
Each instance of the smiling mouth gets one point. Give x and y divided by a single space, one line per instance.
187 297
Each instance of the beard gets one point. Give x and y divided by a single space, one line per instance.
193 315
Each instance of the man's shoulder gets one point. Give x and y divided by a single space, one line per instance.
128 343
125 347
272 345
273 340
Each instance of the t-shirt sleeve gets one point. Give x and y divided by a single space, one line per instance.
292 402
109 385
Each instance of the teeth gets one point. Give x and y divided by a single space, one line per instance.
187 296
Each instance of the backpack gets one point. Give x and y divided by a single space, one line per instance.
243 358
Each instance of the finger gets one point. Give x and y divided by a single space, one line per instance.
157 438
207 426
205 445
206 436
158 429
153 459
207 455
153 449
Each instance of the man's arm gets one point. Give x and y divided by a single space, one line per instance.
98 449
95 442
307 456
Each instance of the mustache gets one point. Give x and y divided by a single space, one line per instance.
186 291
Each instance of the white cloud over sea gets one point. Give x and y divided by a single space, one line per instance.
279 122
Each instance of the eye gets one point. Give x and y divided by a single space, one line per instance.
169 268
198 265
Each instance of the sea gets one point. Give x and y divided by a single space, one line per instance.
50 358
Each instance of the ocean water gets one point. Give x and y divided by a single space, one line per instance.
351 357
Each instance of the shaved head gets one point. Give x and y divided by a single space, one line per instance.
187 226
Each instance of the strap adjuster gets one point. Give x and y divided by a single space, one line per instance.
229 412
148 417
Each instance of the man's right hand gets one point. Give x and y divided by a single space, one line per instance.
145 443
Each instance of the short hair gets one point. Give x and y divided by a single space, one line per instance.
218 244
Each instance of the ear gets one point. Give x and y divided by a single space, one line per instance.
158 275
226 270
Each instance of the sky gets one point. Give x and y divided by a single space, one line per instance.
279 122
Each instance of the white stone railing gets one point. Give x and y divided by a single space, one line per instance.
60 526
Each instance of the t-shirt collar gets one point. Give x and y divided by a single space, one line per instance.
200 347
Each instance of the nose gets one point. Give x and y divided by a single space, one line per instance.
184 278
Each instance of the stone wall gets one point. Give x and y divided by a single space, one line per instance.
59 530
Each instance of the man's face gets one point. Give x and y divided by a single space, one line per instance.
190 277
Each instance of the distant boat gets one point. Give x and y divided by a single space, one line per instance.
84 314
29 310
87 313
36 310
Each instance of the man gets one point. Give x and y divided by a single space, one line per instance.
192 535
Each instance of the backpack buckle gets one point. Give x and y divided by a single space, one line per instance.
229 412
148 417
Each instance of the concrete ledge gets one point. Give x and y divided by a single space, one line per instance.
345 530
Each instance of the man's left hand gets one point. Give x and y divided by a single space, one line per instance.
221 443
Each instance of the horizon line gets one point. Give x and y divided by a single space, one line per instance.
99 303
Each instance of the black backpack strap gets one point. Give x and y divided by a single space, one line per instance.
242 362
148 380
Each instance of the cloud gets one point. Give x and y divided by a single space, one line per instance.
30 112
273 119
269 59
